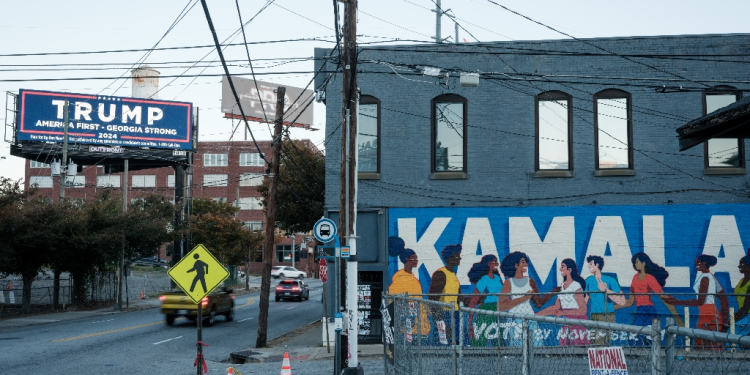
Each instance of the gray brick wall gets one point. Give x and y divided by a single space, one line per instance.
501 123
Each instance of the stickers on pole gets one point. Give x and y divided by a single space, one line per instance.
607 361
323 270
441 332
198 273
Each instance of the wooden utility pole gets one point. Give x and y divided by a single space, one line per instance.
268 247
348 166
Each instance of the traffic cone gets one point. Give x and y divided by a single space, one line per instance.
232 371
286 369
141 293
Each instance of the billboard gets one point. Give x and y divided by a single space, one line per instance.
250 99
104 120
665 240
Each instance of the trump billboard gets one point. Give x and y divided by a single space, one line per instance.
104 120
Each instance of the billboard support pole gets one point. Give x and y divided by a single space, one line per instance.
63 164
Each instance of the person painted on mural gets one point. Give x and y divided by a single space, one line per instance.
649 278
709 290
404 281
445 287
603 292
570 303
741 317
487 280
514 296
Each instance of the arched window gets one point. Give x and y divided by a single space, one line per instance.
554 133
613 135
722 152
449 134
368 136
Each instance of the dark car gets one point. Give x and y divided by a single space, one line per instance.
292 289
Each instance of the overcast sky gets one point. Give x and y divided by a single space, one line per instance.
39 27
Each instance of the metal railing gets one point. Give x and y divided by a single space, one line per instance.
433 337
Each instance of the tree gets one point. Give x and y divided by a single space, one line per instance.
214 225
301 191
27 227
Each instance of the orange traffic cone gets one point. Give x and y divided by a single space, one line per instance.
141 294
286 369
232 371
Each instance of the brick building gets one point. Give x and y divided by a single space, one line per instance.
566 149
224 171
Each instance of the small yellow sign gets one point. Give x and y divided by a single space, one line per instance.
198 273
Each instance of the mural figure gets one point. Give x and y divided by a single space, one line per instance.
570 303
649 278
741 317
708 289
603 292
487 280
404 281
515 298
444 285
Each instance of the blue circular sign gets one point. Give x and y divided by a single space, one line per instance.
324 230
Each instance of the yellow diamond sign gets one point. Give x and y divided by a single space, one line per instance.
198 273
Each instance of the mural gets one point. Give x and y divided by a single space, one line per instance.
559 261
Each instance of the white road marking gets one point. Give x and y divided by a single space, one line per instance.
293 307
102 321
240 321
173 338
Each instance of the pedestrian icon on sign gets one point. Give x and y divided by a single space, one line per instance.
201 269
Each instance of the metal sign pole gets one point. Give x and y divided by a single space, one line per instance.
199 357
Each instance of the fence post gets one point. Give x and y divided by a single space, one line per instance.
687 325
452 326
731 325
460 339
526 366
419 332
670 341
655 345
500 338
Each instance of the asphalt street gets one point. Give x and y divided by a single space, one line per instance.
139 342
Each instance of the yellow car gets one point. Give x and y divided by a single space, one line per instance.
177 303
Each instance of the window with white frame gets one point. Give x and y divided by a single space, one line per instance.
170 180
368 134
250 203
37 164
255 226
108 181
146 180
75 181
220 200
215 180
251 179
215 160
251 160
41 181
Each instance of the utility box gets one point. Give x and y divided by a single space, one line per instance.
469 79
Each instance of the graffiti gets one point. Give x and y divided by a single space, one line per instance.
626 264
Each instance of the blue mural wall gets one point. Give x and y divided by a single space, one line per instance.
673 236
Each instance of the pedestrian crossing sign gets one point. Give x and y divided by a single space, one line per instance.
198 273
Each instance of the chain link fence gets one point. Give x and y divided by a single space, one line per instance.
428 337
100 288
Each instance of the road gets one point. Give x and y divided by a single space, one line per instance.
139 342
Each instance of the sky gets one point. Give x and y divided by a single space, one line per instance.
35 29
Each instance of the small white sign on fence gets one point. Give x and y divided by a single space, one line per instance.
441 332
607 361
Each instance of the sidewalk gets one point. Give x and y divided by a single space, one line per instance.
133 305
303 345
